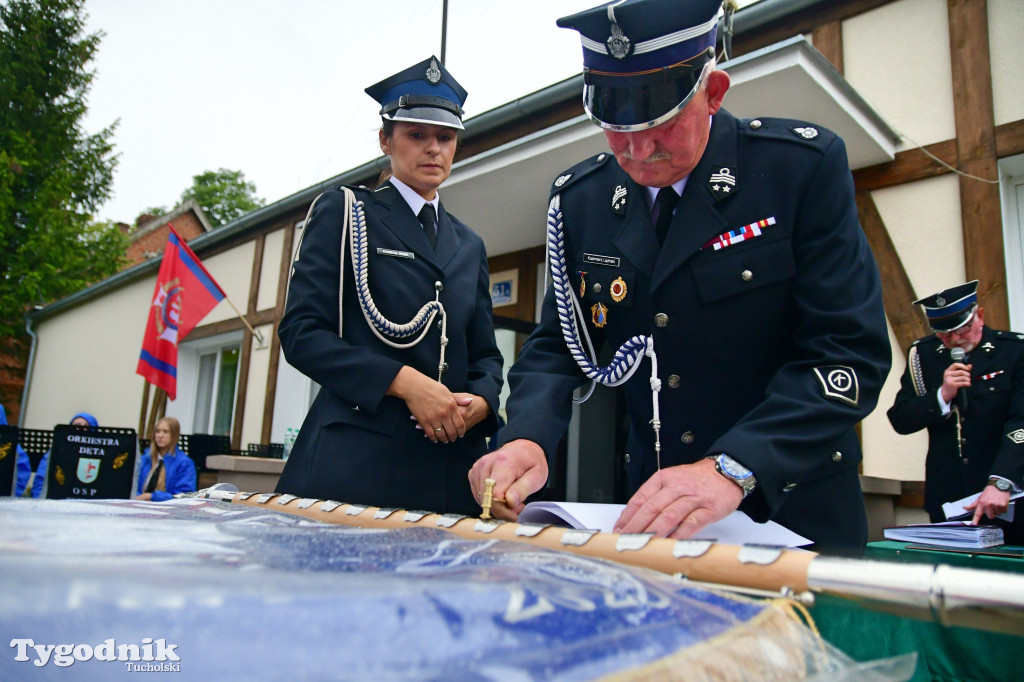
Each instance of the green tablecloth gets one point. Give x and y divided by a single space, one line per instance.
944 653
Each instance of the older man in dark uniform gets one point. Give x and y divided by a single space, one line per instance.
965 384
724 259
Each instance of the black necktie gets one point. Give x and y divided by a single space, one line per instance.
429 220
154 477
666 202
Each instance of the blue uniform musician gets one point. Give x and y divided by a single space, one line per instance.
407 361
723 259
965 384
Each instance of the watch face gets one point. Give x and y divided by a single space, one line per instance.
733 468
1000 484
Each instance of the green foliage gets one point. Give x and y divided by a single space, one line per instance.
223 194
53 175
153 211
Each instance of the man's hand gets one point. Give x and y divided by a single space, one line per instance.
991 503
956 376
519 469
679 501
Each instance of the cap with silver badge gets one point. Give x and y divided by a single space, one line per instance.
952 308
643 60
422 93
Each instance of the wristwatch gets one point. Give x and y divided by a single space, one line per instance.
1000 483
736 472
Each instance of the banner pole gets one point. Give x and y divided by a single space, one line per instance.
145 407
259 337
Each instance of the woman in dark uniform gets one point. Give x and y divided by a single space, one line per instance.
408 367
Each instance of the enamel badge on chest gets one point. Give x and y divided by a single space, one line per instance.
618 290
599 314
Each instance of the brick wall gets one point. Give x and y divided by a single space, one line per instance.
152 239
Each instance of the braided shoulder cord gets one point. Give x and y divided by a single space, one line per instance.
570 313
916 373
381 326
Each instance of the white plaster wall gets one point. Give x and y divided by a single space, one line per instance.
256 389
86 358
232 270
888 454
897 57
270 272
923 219
1006 51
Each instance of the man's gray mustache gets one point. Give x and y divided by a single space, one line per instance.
659 155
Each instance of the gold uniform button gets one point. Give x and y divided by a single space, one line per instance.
837 456
597 288
755 124
688 438
747 275
661 320
673 381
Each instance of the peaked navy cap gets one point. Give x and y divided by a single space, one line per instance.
951 308
643 59
422 93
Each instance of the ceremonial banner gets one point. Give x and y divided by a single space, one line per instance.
185 292
91 463
8 458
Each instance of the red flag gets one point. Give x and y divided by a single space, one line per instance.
184 293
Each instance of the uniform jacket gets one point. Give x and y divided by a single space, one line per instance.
992 427
179 474
358 445
770 349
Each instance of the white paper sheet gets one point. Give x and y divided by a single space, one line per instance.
735 529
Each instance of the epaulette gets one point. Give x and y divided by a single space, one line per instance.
580 170
788 129
1009 336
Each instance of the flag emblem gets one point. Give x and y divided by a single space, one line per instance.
184 293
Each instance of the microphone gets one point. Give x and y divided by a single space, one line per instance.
957 354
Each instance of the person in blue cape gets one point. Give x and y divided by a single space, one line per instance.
82 419
24 466
165 469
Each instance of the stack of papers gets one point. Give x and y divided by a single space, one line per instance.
959 534
735 529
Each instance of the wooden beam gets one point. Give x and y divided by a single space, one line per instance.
245 356
284 273
1010 139
828 40
908 166
907 320
980 209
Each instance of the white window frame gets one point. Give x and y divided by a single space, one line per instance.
189 353
1011 194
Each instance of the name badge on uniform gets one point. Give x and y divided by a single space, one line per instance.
396 254
596 259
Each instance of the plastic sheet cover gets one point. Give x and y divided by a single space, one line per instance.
201 589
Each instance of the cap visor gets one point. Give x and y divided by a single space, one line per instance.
950 323
642 106
431 115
